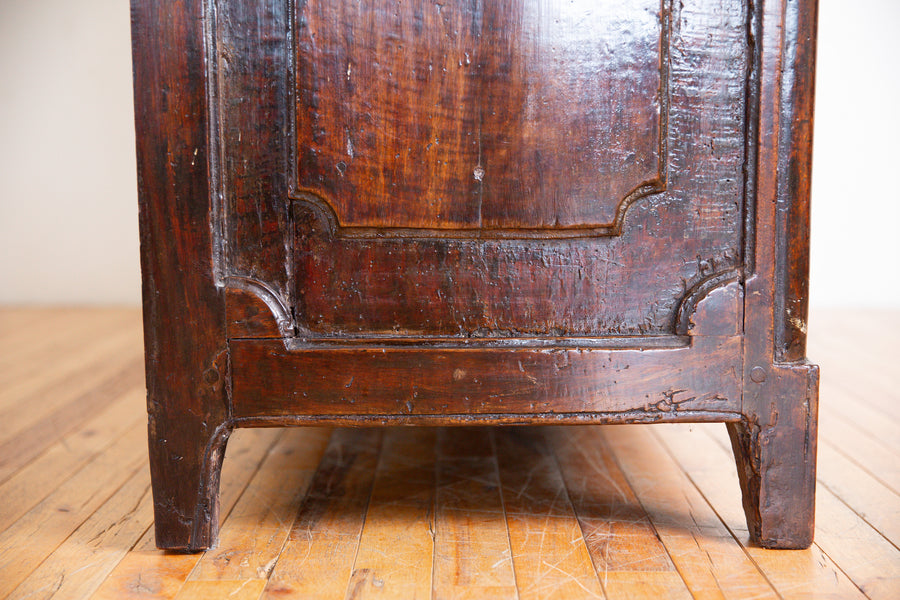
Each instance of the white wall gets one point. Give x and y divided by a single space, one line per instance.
68 209
855 252
68 200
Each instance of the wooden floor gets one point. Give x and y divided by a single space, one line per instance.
577 512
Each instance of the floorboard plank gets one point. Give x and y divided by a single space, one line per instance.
472 555
710 560
29 443
842 363
877 425
34 482
58 389
41 378
864 451
241 589
550 557
396 550
17 322
34 536
317 559
85 559
620 537
44 334
251 538
869 332
869 498
867 558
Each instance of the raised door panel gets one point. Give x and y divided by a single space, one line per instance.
470 117
479 170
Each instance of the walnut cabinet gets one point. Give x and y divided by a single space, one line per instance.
476 212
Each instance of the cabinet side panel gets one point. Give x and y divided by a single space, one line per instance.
631 283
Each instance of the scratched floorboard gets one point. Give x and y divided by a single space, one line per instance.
572 512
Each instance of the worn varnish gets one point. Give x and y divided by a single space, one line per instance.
479 115
504 211
577 194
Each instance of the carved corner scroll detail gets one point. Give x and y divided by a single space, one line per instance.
713 307
284 325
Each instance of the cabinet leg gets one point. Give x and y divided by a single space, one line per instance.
185 464
775 452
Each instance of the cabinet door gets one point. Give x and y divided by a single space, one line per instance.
481 207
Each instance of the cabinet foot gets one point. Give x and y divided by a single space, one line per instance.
775 452
184 468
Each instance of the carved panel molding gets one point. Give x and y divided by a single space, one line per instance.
512 126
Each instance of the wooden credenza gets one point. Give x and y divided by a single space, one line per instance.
476 211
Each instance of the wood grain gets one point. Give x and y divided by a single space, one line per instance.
549 556
32 482
870 498
49 387
317 559
243 589
271 381
711 562
98 544
17 324
533 85
882 386
619 535
504 115
472 555
29 443
863 553
400 516
254 533
49 523
867 452
852 405
184 309
775 443
509 212
24 367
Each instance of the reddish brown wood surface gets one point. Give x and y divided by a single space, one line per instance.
511 211
775 444
667 89
464 384
793 226
480 115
